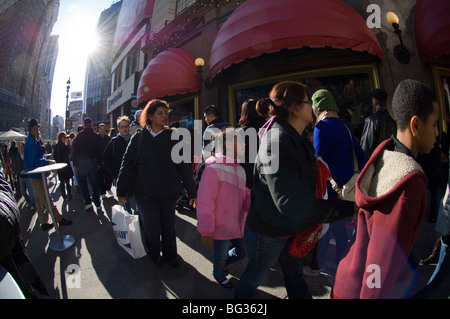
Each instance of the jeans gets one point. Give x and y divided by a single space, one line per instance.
87 169
65 188
25 184
158 220
224 256
262 252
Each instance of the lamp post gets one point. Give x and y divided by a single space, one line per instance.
199 63
67 105
401 53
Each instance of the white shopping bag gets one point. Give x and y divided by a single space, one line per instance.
128 232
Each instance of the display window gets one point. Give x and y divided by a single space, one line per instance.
441 77
350 85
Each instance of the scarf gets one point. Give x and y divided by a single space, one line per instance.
327 115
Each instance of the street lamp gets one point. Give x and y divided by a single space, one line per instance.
199 63
67 105
401 53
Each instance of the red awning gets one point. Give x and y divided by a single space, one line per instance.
268 26
171 72
433 28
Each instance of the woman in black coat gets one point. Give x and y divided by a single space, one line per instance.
61 155
158 181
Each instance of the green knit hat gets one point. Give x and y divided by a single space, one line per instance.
324 100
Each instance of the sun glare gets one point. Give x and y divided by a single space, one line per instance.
90 42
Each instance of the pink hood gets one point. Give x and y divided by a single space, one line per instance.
223 200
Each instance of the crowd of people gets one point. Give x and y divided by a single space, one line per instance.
245 209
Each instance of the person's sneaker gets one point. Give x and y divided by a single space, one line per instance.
64 222
46 227
87 207
226 283
110 193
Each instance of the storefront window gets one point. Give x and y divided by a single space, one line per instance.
442 82
349 86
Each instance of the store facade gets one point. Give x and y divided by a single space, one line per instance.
346 46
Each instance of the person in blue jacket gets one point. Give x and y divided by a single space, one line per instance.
334 142
33 158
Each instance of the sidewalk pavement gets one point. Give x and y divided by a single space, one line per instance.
103 270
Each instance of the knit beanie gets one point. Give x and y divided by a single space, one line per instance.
324 100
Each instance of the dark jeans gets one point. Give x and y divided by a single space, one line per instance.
65 188
158 220
262 252
87 169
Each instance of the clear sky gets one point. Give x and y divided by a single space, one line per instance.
76 25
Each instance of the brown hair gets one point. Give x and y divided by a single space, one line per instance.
248 112
149 110
262 107
61 135
282 97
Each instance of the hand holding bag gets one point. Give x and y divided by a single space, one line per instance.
303 242
128 232
347 192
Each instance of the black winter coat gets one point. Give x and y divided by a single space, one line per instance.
113 155
158 176
13 254
377 128
61 154
283 200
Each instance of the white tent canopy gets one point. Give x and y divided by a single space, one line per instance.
12 135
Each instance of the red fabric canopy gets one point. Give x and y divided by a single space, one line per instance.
268 26
171 72
433 28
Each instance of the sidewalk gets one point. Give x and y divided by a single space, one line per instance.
106 271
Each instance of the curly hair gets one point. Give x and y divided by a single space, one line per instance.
149 110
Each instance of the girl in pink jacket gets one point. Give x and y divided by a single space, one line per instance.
222 204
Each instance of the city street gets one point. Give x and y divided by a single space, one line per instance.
103 270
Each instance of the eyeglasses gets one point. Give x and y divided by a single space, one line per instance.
124 126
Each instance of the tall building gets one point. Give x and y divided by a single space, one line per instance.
98 74
129 60
49 63
46 82
25 27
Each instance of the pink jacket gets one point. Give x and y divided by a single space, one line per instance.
222 200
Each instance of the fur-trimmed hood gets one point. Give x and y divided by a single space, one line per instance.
384 174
